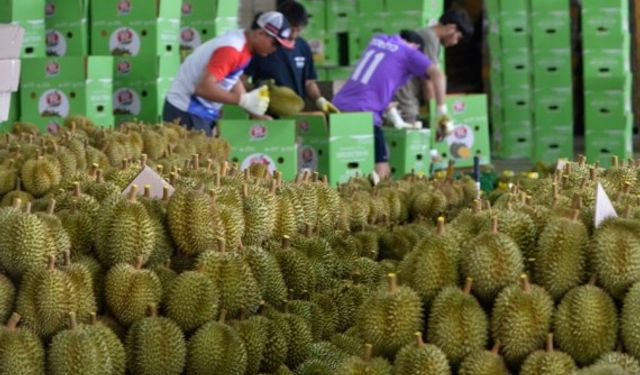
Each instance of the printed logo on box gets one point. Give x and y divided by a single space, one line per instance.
124 7
258 159
49 9
459 107
189 38
126 102
56 43
52 68
53 103
304 127
124 41
186 8
258 132
123 67
461 142
308 158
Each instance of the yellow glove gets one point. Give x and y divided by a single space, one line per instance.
326 106
444 122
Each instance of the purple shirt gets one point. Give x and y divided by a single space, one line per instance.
385 65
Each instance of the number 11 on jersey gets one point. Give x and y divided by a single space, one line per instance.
370 61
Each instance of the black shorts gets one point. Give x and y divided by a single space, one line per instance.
381 151
170 113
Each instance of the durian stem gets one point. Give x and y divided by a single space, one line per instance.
17 202
209 165
165 193
93 318
467 285
419 341
441 227
195 161
368 351
593 280
325 180
27 208
143 160
223 316
526 286
592 173
147 191
222 245
245 191
76 189
576 215
133 193
496 348
173 178
392 281
494 224
477 206
550 342
139 263
72 320
225 168
286 242
614 161
67 258
12 324
274 185
216 179
99 176
152 310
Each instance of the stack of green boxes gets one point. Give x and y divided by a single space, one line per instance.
28 14
67 32
552 80
203 20
143 37
607 80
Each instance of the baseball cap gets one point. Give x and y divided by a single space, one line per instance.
277 26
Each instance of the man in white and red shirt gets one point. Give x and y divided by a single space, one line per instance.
209 77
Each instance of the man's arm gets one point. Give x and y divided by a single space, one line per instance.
313 91
239 88
209 89
439 82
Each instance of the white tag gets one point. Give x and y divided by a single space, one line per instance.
562 163
604 207
150 177
375 177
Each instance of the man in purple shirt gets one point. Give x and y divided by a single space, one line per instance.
387 63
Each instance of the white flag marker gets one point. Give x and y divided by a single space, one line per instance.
604 207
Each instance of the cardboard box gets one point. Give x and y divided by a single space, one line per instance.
338 73
606 69
340 147
514 140
135 27
602 145
553 108
552 68
607 109
551 29
203 20
370 6
425 6
140 84
551 145
9 111
11 37
5 105
516 67
67 27
55 87
10 73
340 7
409 151
548 6
471 134
517 104
28 14
234 112
342 49
515 29
605 20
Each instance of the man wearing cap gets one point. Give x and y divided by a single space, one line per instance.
292 68
209 77
453 26
387 63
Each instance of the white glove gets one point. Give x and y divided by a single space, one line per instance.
445 125
435 156
256 101
326 106
394 116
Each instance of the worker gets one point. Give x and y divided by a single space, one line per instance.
453 26
210 76
292 68
387 63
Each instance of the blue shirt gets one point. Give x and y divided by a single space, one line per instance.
288 67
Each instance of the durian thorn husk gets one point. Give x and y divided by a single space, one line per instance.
368 351
12 324
419 341
526 285
468 284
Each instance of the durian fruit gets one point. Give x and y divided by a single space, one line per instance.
429 203
21 351
125 231
130 290
521 319
191 300
432 265
40 175
45 298
548 362
389 318
625 361
299 338
115 353
324 358
7 297
277 345
154 142
493 261
517 225
321 322
365 365
259 214
82 278
266 271
325 261
10 197
8 176
421 359
232 277
457 323
156 208
368 272
166 274
283 101
586 323
155 345
286 223
602 369
297 270
66 161
100 189
349 341
77 351
560 259
80 227
484 363
253 332
616 239
629 322
57 236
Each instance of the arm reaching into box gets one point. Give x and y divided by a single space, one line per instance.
255 102
445 125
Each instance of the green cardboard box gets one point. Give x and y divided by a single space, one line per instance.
194 34
14 113
470 136
553 108
338 23
270 142
370 6
340 148
28 14
140 84
424 6
318 43
551 29
551 145
341 49
514 140
67 31
407 20
516 67
620 5
607 109
135 27
604 20
548 5
515 29
602 145
409 151
552 68
55 87
606 69
514 5
338 73
517 104
337 7
234 112
492 8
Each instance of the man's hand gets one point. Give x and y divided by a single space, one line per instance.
255 102
394 116
326 106
444 122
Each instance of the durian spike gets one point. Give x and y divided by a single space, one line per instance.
17 202
550 342
133 193
467 285
615 161
165 193
27 208
223 316
441 226
152 310
76 189
419 341
368 351
143 160
93 318
222 245
392 282
526 286
494 224
73 322
285 243
12 323
496 348
147 191
139 262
